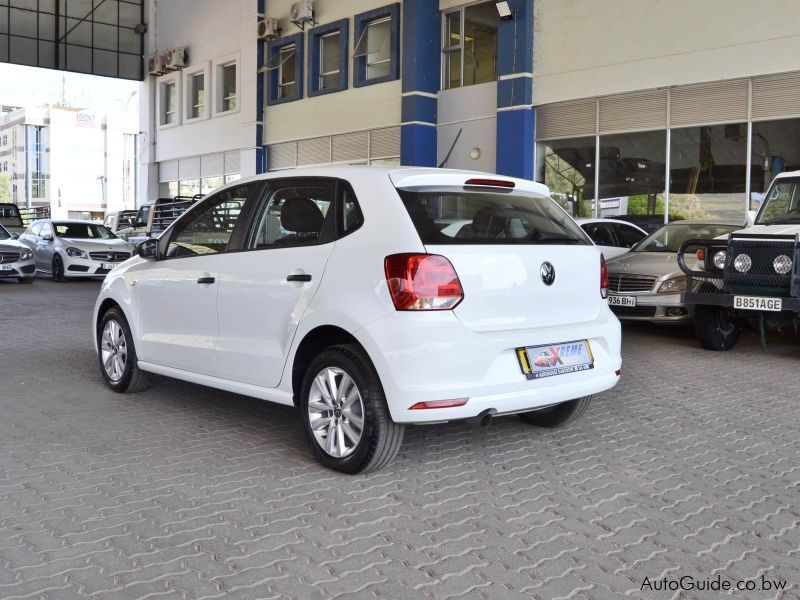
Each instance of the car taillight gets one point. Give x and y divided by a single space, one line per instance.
422 282
603 278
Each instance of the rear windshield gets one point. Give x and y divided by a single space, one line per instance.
9 216
484 217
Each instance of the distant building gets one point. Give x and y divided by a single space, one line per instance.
80 163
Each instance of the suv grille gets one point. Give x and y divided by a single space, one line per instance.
626 284
9 257
110 256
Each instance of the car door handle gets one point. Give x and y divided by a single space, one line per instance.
305 277
206 280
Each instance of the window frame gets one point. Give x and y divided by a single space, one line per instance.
220 65
188 84
242 223
461 47
315 54
361 23
163 83
273 75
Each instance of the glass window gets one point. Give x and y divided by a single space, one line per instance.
229 87
208 228
472 57
783 204
83 231
632 169
776 148
47 229
173 189
169 103
489 218
375 45
4 235
568 170
628 236
708 171
190 187
209 184
294 215
352 218
670 237
198 85
286 71
602 234
35 229
329 50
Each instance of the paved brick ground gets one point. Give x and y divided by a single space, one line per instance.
690 467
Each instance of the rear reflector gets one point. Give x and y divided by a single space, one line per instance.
491 183
439 404
618 372
422 282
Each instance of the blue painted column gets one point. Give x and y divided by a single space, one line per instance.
261 151
421 60
515 115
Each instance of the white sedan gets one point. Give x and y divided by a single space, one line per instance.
335 290
612 236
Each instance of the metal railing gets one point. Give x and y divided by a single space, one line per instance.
29 215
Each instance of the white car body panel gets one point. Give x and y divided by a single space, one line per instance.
419 356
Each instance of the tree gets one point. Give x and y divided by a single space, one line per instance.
5 187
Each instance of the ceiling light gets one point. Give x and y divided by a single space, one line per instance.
504 10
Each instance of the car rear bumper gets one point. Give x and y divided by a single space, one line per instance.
424 357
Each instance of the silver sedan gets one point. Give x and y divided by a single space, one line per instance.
646 283
16 260
67 249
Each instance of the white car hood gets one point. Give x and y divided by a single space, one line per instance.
787 229
97 245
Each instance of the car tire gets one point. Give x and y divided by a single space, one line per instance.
58 269
715 328
128 377
558 415
26 279
335 419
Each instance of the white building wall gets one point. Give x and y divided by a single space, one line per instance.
471 110
585 48
353 109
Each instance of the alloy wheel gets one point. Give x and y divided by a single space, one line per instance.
336 412
113 350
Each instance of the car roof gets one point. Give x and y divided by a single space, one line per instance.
787 174
724 222
581 220
68 221
400 176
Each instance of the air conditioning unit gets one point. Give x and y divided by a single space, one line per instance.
156 65
268 29
301 13
175 59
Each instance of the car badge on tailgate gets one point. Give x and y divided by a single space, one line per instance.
548 273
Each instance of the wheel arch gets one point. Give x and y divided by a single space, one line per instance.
311 345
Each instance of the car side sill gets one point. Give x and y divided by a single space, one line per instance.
246 389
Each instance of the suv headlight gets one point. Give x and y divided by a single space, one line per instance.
26 254
673 286
719 259
76 253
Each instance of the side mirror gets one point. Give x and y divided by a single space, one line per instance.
148 249
15 236
47 237
750 218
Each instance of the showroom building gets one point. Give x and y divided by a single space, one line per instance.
691 118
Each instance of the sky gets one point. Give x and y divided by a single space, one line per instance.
30 86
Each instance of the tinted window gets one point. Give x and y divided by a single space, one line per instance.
670 237
628 236
83 231
601 234
456 217
4 235
207 229
782 205
352 218
293 215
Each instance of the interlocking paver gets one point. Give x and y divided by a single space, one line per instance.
691 466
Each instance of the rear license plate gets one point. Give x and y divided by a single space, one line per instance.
5 267
108 266
538 362
621 300
757 303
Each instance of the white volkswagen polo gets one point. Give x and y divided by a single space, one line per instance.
343 291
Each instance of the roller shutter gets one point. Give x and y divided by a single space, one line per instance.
637 111
189 168
719 102
282 156
566 119
384 143
168 171
316 151
233 163
350 147
212 165
776 96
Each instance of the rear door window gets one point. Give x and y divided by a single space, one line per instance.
487 217
627 235
601 234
